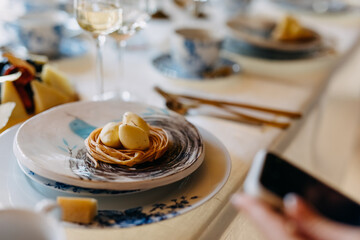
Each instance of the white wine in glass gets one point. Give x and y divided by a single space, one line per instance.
99 17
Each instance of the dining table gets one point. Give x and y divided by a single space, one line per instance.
290 85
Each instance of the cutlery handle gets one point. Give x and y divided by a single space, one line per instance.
282 125
242 105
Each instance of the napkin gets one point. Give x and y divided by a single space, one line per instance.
6 110
250 90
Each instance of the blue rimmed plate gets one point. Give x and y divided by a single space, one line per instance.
167 66
51 145
67 188
121 211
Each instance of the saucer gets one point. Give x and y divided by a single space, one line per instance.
167 66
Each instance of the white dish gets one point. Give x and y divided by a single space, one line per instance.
51 145
147 207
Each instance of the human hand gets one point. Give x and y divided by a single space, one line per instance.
299 221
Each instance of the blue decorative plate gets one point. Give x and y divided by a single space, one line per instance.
121 211
166 65
63 187
72 47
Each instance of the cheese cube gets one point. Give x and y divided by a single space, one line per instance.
46 96
54 78
10 94
78 210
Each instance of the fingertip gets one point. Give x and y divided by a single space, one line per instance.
296 207
237 200
291 202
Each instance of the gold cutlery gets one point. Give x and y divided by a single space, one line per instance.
289 114
173 103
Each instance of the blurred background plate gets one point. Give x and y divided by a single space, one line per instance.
257 31
315 6
244 48
224 68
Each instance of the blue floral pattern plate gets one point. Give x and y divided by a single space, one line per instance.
121 211
51 145
63 187
166 65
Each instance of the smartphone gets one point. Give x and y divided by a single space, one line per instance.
271 177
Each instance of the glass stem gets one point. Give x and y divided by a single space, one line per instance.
121 67
100 40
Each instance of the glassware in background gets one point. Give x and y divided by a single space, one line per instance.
156 9
198 8
135 18
100 18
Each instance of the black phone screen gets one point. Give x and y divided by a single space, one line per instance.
281 178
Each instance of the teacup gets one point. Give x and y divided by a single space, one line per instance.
42 32
30 225
196 50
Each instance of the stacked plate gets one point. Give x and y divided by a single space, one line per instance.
50 149
252 36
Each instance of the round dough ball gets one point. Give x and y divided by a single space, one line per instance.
109 135
135 120
133 137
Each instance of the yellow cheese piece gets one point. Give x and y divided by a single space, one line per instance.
9 94
57 80
289 29
46 96
78 210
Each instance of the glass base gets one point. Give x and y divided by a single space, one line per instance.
126 96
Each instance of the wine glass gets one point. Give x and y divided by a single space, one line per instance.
99 17
135 17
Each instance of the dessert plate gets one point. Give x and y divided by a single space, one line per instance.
166 65
51 145
121 211
257 31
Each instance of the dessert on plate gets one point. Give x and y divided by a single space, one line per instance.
37 87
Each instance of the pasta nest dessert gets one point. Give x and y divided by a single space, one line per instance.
128 143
